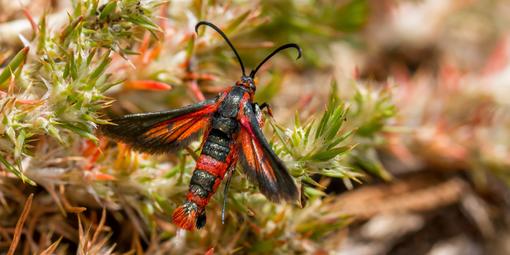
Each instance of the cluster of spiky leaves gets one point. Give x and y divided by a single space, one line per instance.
341 143
55 98
54 101
318 146
61 90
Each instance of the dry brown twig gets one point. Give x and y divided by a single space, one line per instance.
418 194
51 249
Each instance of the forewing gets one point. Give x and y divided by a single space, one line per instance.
260 163
165 131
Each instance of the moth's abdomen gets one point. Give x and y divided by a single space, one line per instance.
214 161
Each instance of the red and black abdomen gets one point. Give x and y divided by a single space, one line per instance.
218 154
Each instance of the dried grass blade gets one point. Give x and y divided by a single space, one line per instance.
51 249
19 225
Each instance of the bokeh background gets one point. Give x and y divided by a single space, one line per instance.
394 124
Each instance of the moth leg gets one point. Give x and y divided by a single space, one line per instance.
230 173
258 113
266 106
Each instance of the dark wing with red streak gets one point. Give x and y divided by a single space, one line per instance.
260 163
159 132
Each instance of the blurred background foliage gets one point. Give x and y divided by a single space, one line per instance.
393 124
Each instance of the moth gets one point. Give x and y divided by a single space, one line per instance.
231 127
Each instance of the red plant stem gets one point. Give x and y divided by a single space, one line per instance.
195 90
35 29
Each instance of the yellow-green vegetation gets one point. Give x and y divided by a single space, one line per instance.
384 117
61 86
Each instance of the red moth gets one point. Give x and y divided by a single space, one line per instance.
231 124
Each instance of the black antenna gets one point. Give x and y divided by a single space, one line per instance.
283 47
207 23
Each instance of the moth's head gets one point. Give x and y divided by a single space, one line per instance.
248 83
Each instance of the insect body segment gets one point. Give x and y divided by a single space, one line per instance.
231 126
218 153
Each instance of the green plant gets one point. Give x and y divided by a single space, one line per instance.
56 95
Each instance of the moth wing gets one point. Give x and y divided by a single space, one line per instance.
165 131
260 163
